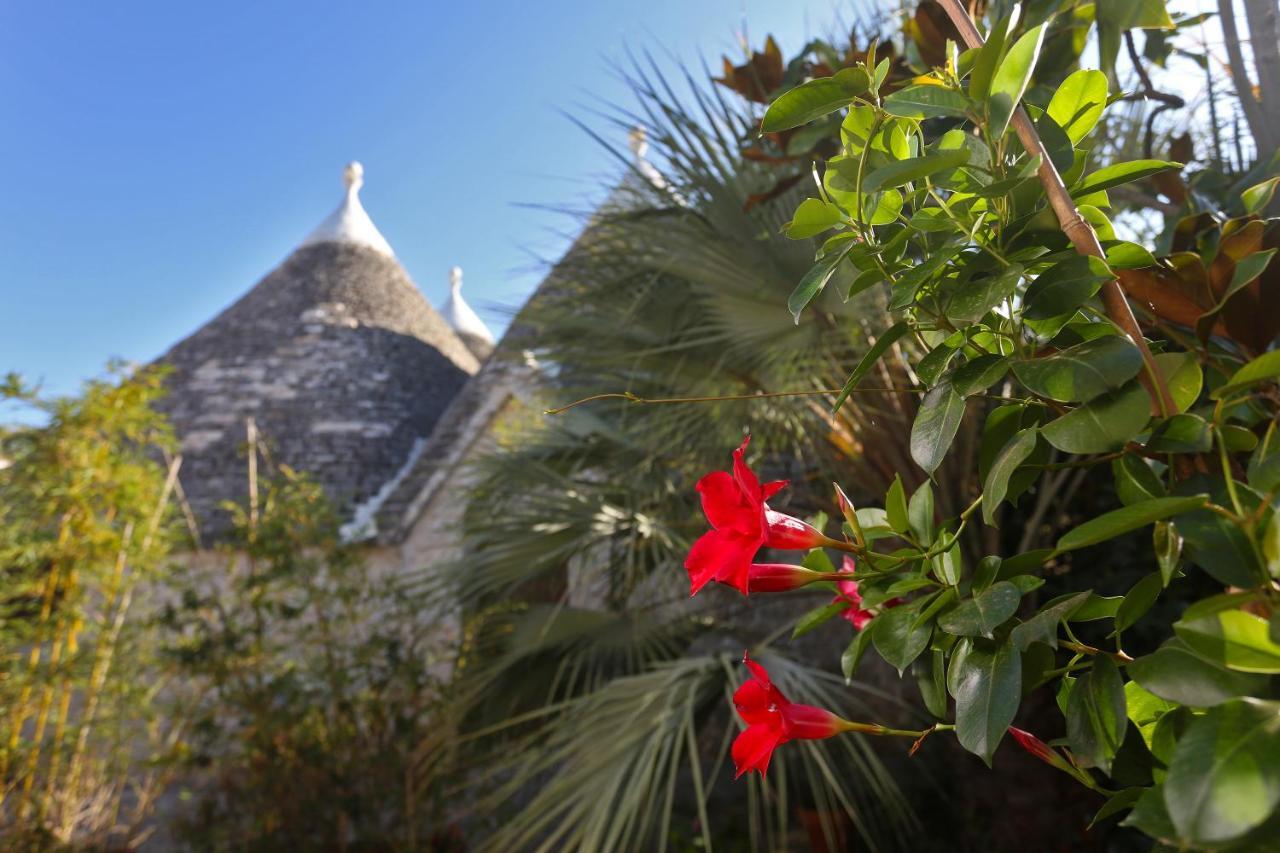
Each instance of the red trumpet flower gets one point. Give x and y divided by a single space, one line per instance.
781 577
856 615
741 524
772 720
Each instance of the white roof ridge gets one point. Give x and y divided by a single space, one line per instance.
350 223
459 314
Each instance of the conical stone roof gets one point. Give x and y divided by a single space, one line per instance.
338 358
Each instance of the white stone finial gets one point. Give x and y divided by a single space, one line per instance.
353 176
350 223
638 142
459 314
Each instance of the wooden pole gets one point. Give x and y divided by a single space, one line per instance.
1077 229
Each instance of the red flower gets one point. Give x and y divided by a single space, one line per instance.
781 577
772 720
741 524
856 615
1040 749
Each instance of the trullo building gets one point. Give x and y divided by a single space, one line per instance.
336 364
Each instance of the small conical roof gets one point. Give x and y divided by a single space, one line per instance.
336 355
465 321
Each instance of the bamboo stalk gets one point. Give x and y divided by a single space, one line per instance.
1077 229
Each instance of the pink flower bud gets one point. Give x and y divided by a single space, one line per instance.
780 577
790 534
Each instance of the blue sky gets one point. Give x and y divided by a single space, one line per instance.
160 157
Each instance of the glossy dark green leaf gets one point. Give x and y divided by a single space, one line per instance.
1120 521
1166 541
935 426
814 99
1221 548
1043 627
1135 481
996 485
1096 714
1138 600
969 301
1176 673
1097 607
897 639
1224 779
930 673
1063 287
909 283
981 615
1081 372
1103 424
1182 375
1150 815
1119 802
978 374
987 686
920 513
1185 433
1123 255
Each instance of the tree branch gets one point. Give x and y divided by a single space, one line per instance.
1078 231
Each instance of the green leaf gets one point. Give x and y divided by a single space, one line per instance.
935 426
920 513
1217 603
882 344
1011 79
1182 375
1078 103
1185 433
987 59
1220 547
898 639
1103 424
981 615
1064 287
1264 368
852 656
1176 673
1149 814
812 217
1259 196
1012 455
1224 778
901 172
813 283
1096 715
930 672
1167 543
895 506
1122 801
969 301
814 99
1135 481
1043 627
926 101
1124 255
1233 638
1097 607
1122 173
1145 709
980 373
1120 521
910 282
1138 600
816 617
987 685
1081 372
